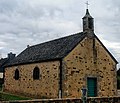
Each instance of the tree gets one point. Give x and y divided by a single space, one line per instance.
118 79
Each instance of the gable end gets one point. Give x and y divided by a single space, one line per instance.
106 50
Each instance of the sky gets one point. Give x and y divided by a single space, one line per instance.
30 22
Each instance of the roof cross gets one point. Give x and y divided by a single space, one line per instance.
87 4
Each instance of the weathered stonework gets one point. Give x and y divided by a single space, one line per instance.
89 59
70 100
46 87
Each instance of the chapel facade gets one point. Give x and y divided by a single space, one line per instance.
61 68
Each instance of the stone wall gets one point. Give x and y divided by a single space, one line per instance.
46 87
89 59
72 100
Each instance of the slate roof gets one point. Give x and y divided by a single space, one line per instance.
51 50
55 49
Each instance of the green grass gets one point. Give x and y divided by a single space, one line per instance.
7 97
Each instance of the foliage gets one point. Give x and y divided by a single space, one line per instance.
118 72
0 87
118 79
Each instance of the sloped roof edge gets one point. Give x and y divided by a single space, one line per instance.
107 50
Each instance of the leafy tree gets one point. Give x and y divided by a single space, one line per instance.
118 79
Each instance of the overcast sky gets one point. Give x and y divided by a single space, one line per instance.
29 22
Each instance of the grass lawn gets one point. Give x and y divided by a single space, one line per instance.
6 97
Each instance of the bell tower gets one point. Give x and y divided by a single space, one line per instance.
88 23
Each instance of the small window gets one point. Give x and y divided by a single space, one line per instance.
16 74
36 73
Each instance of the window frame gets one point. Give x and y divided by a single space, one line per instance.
16 74
36 73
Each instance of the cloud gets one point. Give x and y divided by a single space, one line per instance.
24 22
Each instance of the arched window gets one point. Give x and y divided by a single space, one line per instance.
36 73
16 76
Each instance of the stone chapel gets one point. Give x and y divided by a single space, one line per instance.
62 67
